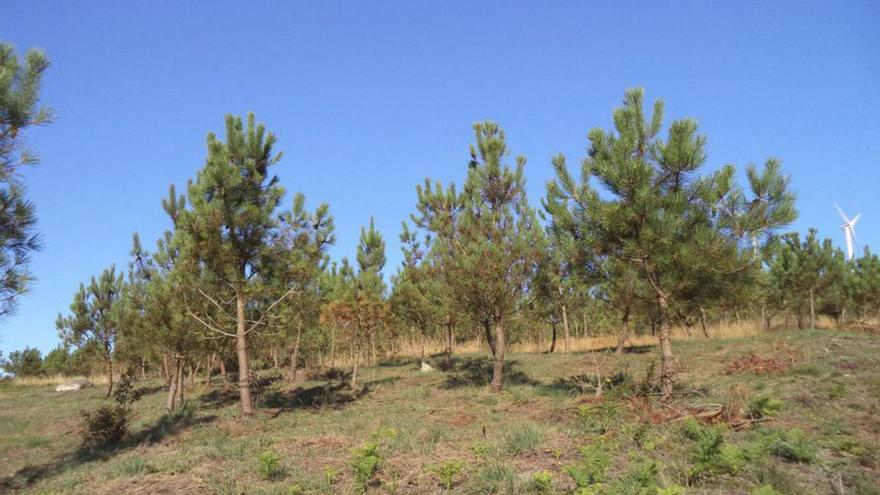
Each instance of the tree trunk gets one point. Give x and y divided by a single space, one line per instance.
422 352
624 332
143 368
566 329
498 361
667 362
194 370
223 374
355 355
812 309
274 358
171 399
552 338
165 370
209 370
109 375
294 356
244 378
333 347
703 321
181 364
489 338
448 362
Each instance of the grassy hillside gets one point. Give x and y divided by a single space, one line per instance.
813 398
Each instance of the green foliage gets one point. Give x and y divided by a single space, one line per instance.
598 418
495 477
447 471
793 445
710 455
542 483
269 465
105 426
366 462
764 407
96 315
592 467
132 466
26 362
684 234
523 440
20 82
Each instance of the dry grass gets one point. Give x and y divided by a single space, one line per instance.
40 381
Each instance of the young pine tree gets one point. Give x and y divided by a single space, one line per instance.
658 214
225 233
95 317
486 238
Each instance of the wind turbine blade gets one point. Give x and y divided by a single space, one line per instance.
842 215
852 223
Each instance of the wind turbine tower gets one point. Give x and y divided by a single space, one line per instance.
849 231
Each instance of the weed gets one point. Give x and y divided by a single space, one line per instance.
711 455
598 418
523 440
448 471
542 483
793 445
495 477
132 466
480 449
764 407
269 465
365 463
591 470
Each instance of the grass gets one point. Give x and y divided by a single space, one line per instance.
445 432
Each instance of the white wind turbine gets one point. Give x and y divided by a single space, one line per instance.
849 231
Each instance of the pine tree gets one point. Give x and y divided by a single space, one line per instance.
97 312
658 214
486 238
226 232
19 110
302 245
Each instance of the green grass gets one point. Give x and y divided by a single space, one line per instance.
447 433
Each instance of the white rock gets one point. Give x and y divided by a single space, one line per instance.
426 367
74 385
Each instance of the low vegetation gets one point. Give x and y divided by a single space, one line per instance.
791 431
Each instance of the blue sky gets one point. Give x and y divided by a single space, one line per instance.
369 98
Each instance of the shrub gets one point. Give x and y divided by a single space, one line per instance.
598 418
764 407
448 471
711 455
542 482
591 470
641 479
105 426
793 445
269 465
365 463
108 425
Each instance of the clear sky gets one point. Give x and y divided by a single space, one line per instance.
369 98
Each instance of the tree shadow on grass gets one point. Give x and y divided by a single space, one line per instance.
477 372
327 395
166 426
